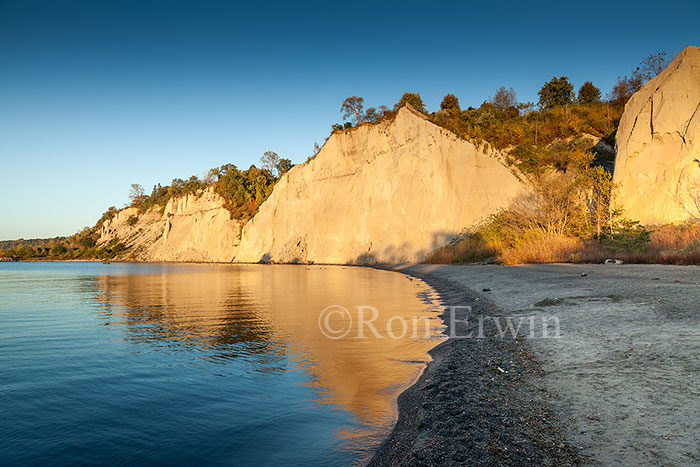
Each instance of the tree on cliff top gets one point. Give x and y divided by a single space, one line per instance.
412 98
649 68
275 165
588 93
622 90
243 191
556 92
352 107
372 115
504 99
283 166
269 161
652 66
136 194
450 102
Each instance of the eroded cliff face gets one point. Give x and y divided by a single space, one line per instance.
190 228
657 164
389 192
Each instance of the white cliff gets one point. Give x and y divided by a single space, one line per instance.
658 160
389 192
189 228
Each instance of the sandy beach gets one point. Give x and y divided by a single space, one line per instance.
619 386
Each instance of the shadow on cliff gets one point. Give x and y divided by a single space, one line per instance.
267 259
402 253
389 254
605 153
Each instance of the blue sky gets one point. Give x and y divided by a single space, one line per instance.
96 95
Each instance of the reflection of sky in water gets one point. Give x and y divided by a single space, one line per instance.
239 349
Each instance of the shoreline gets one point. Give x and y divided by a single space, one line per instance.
478 402
619 386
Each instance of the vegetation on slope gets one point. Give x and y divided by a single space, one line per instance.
571 214
242 190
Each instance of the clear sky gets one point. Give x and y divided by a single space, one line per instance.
96 95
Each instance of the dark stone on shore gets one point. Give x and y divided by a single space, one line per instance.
549 302
479 402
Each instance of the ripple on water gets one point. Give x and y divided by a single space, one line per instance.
200 363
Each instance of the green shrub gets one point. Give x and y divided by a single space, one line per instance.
628 235
59 250
243 191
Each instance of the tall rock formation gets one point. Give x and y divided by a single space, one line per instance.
190 228
658 159
389 192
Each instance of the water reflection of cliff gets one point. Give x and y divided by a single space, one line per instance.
269 314
189 308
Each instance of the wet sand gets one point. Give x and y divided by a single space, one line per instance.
621 386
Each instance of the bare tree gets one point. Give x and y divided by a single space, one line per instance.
649 68
653 65
689 197
371 115
504 99
352 107
269 161
599 191
136 193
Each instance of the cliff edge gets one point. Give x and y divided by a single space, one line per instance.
390 192
658 158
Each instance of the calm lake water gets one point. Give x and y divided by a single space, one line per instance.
215 364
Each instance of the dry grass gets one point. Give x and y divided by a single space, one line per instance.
468 250
550 249
669 244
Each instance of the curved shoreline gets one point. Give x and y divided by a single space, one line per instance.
480 401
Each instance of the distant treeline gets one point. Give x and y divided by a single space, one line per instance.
10 244
81 245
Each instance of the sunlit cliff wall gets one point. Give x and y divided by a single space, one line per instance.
190 228
389 192
658 159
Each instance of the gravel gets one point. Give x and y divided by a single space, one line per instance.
620 386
